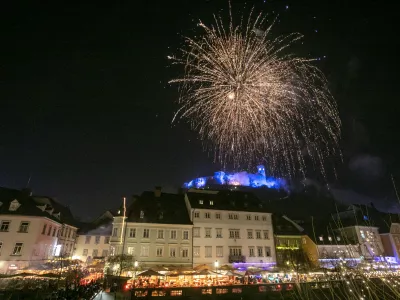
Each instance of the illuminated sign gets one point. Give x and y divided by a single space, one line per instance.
388 259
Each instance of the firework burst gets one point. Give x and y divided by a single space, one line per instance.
251 100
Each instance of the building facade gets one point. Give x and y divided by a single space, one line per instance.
93 244
28 233
154 230
230 228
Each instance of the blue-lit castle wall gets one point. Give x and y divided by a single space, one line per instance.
259 179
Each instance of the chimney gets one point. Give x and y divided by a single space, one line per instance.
157 192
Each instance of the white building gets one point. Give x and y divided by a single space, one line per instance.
367 237
28 232
230 227
93 244
68 231
156 230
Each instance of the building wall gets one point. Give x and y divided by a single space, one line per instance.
284 244
368 238
89 246
67 239
395 233
209 248
152 248
331 256
38 243
310 249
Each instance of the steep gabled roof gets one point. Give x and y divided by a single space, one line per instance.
64 211
284 226
28 207
164 209
225 200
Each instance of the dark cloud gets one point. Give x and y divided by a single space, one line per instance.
367 167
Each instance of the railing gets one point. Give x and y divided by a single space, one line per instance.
237 259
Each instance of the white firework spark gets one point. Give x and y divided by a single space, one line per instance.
251 100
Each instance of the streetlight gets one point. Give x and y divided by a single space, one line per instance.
135 265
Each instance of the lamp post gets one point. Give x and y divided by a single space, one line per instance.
135 266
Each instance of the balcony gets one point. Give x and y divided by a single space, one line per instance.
237 259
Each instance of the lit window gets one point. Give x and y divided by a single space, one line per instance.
321 238
200 201
141 214
211 202
338 238
330 238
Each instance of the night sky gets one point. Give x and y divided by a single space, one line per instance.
86 109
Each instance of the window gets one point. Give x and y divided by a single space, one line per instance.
144 251
104 253
141 214
85 252
97 240
230 216
112 251
197 214
185 252
132 232
330 238
200 201
185 235
251 251
249 233
304 241
236 217
196 251
264 218
95 253
173 235
131 250
208 232
267 251
115 232
1 246
160 234
5 226
49 231
321 238
266 235
233 216
107 240
17 249
207 215
362 234
260 251
208 251
24 227
159 252
235 251
218 233
87 239
196 232
211 202
234 233
256 218
146 233
172 252
258 234
218 216
43 230
220 251
338 238
248 217
54 232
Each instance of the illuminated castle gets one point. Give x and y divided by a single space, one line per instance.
256 180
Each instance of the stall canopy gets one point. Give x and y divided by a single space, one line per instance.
206 272
230 273
150 272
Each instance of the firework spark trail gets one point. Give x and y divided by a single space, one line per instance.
250 101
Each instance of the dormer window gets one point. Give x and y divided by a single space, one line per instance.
211 202
338 238
161 216
141 214
14 205
321 238
330 238
200 201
